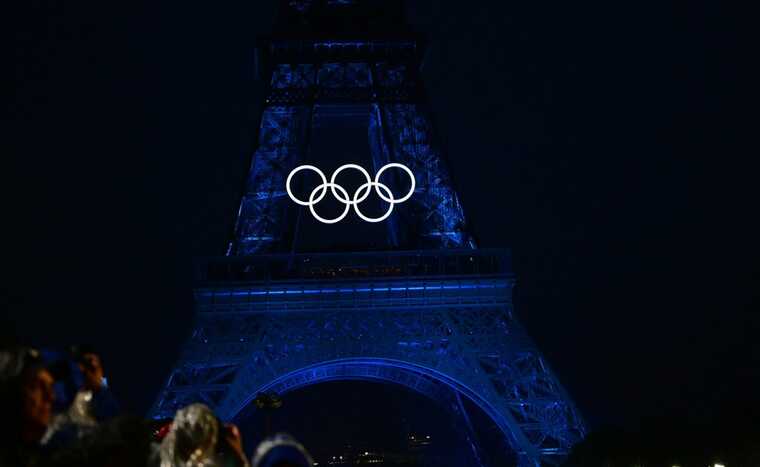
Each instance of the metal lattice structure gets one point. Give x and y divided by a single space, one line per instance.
437 318
437 321
398 130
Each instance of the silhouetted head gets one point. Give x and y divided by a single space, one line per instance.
281 450
90 364
26 395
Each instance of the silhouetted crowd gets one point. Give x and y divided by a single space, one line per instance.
57 410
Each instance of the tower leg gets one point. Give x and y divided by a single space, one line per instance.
469 430
282 143
438 218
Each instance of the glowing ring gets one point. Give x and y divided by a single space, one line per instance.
335 175
314 211
323 186
377 186
411 188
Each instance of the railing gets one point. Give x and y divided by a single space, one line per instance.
416 263
346 295
340 50
295 95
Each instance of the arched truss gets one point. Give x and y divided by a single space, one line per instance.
444 391
445 319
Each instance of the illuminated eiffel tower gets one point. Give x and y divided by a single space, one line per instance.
409 301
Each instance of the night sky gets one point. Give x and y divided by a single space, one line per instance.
599 141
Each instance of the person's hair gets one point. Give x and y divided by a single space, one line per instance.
79 351
15 365
281 450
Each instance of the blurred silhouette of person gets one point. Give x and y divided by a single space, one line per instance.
26 403
123 441
92 403
101 402
197 438
281 450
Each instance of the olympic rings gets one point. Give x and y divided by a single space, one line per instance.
340 193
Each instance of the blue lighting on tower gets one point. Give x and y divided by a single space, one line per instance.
434 313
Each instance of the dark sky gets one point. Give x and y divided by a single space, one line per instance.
600 141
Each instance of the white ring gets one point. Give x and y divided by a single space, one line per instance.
314 211
411 188
356 204
323 185
335 175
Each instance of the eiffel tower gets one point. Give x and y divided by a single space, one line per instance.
410 300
